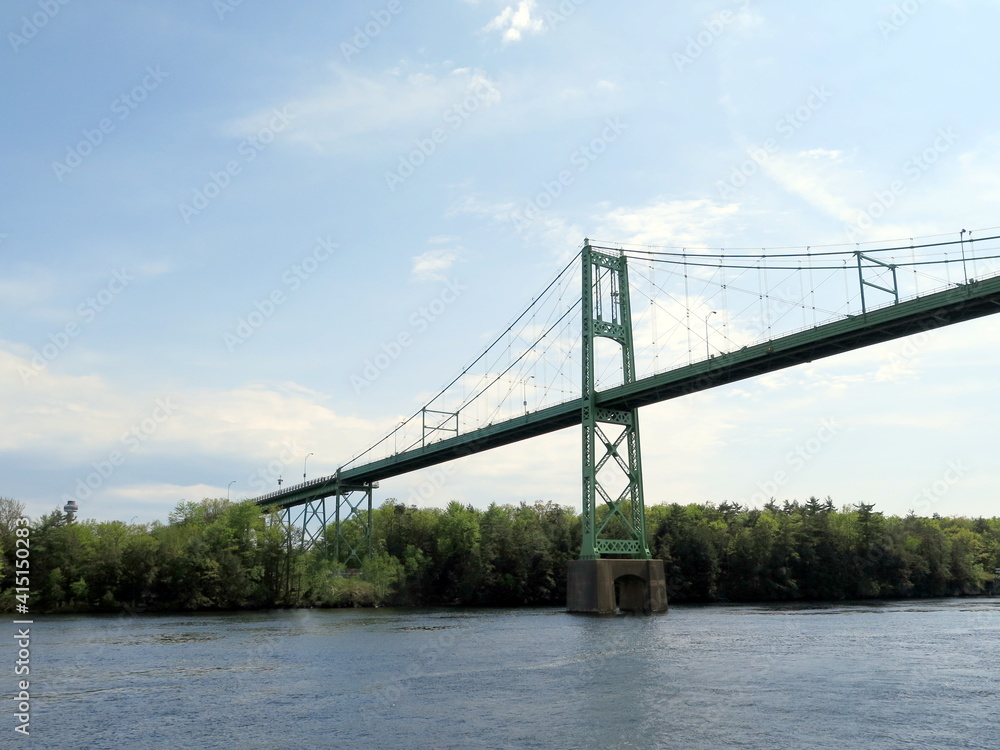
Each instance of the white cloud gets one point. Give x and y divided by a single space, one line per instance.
896 200
515 22
671 222
432 265
156 496
27 293
395 105
75 421
823 153
816 177
561 236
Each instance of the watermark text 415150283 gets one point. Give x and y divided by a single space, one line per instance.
22 634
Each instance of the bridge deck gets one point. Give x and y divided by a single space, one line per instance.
954 305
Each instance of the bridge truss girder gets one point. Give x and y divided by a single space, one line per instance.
309 524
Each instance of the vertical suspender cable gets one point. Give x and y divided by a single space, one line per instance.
972 247
802 294
812 286
725 300
847 288
652 313
687 304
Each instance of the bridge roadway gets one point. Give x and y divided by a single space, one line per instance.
935 310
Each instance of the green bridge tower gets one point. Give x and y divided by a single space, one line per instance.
615 570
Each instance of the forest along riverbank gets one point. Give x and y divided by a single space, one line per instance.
220 555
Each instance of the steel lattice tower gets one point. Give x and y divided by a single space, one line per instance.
618 527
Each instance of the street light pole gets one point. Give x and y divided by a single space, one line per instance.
304 466
524 392
229 488
707 353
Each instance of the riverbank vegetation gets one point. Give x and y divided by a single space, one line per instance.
216 554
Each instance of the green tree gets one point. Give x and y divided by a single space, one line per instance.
382 571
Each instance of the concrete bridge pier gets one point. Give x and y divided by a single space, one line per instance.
604 586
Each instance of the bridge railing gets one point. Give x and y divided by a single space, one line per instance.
857 313
295 487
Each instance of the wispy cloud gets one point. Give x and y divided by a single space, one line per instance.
671 222
819 176
556 232
434 264
74 420
392 105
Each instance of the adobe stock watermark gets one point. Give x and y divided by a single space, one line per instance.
248 150
263 478
899 17
712 29
22 569
363 35
912 345
292 280
579 161
122 106
33 24
388 693
556 17
914 168
134 438
485 94
86 313
796 460
419 322
223 8
786 126
434 480
773 308
937 490
526 16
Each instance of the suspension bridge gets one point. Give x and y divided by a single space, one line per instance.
621 327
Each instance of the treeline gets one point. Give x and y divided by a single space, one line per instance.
221 555
815 551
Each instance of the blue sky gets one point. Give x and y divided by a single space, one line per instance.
215 213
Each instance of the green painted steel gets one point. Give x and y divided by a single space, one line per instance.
953 305
308 521
357 504
620 530
894 291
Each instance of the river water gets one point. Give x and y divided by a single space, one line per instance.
915 674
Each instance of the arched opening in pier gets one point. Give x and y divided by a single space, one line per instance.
631 593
